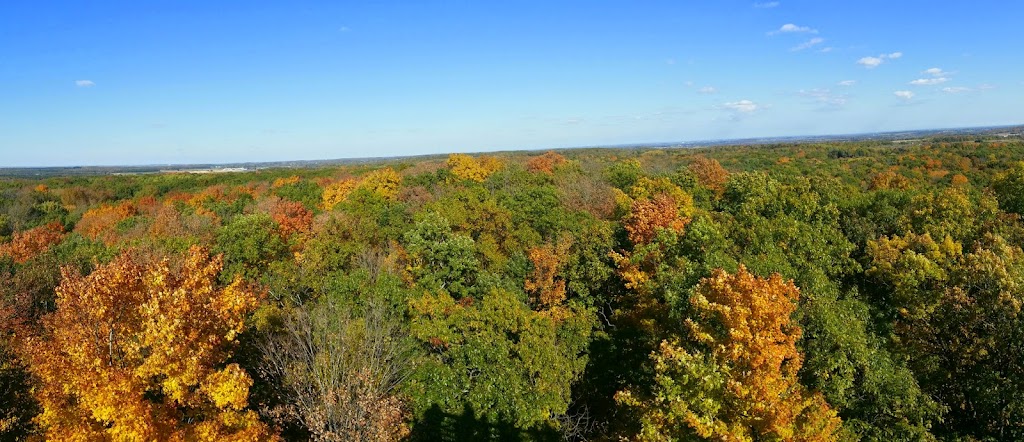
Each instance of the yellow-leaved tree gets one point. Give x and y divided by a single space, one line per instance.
738 380
466 167
336 192
382 182
137 351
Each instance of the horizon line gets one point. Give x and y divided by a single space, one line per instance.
720 142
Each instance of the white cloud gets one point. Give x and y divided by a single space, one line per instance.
827 49
707 90
84 83
956 89
790 28
929 81
906 95
766 5
874 62
742 106
870 62
935 72
807 44
847 82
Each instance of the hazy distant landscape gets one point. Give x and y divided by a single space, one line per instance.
42 172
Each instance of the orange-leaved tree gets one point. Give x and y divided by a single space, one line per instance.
138 351
293 217
543 283
738 380
648 216
545 163
99 223
29 243
710 173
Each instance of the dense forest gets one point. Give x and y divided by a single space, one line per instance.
821 291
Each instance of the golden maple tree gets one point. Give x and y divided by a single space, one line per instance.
476 169
281 182
336 192
744 387
138 351
382 182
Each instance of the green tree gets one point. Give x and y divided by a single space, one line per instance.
1009 187
439 259
249 244
498 357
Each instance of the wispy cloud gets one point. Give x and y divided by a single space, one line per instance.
824 98
84 83
935 72
742 106
956 89
904 95
766 5
929 81
847 83
874 62
707 90
808 44
790 28
344 29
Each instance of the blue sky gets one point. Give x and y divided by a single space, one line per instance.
153 82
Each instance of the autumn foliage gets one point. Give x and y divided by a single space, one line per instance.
292 217
889 180
98 223
138 351
382 182
745 387
281 182
545 163
27 244
458 299
336 192
709 173
476 169
543 282
648 216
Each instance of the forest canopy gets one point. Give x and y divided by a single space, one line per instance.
864 290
